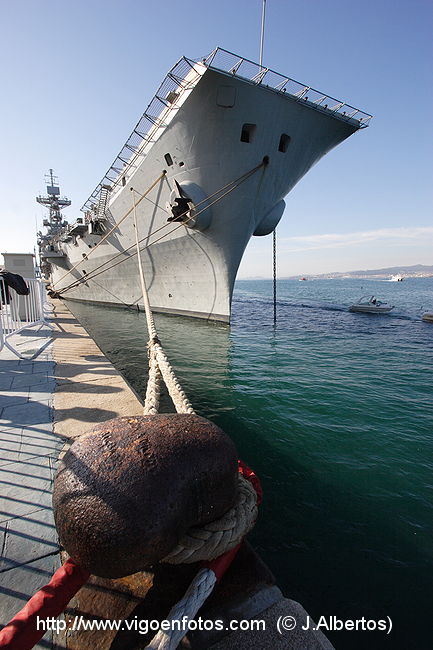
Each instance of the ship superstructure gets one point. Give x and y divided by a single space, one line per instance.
55 224
207 166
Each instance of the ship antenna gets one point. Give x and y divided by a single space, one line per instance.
262 35
274 234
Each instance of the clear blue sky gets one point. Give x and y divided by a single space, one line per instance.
76 76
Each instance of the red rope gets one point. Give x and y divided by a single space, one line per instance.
252 478
22 632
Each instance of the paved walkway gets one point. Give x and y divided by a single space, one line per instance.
89 389
28 454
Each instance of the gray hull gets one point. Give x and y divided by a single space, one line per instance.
221 127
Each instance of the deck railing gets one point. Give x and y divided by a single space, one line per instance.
257 74
182 77
155 117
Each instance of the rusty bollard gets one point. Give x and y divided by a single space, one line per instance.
126 492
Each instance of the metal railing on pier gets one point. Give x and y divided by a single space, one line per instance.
18 312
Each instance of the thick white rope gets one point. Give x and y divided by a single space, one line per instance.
158 361
218 536
204 581
185 610
153 388
194 547
177 394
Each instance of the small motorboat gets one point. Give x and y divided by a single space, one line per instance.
371 305
428 317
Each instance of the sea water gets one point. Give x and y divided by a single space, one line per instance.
334 411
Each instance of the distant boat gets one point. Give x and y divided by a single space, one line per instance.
301 279
428 317
370 305
396 278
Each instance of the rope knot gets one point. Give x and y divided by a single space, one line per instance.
223 534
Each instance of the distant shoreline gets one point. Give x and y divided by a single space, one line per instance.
338 276
417 271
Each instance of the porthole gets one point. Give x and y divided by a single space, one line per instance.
168 159
247 133
284 142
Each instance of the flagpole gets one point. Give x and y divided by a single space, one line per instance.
262 36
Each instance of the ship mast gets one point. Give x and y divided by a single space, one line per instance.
55 223
54 204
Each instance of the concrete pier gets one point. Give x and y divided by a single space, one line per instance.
44 405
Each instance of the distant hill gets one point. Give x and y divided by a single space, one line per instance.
415 271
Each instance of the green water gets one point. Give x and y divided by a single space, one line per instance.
334 411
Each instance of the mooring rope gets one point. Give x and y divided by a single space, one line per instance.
159 364
204 582
215 538
198 591
223 191
116 225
